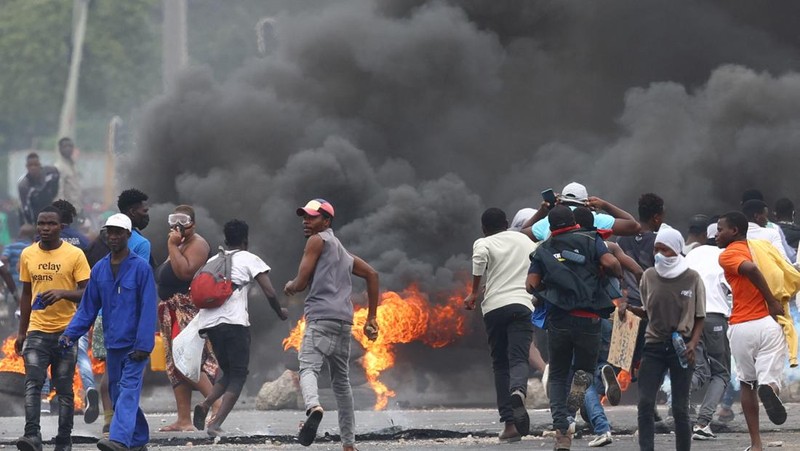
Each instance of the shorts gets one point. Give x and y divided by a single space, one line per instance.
760 351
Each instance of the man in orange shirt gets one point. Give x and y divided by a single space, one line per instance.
757 342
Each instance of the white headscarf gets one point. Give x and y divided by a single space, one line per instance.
520 218
670 267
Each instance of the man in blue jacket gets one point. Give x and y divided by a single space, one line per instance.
122 285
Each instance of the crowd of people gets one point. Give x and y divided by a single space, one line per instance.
553 281
112 291
714 308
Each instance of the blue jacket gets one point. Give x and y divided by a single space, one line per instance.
128 302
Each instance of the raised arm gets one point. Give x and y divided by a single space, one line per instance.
624 223
186 262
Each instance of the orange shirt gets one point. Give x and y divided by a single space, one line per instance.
748 303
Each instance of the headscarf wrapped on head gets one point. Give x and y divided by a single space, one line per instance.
670 267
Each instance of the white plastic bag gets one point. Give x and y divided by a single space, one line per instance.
187 351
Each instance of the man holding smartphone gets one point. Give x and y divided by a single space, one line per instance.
575 195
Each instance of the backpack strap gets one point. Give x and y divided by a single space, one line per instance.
228 256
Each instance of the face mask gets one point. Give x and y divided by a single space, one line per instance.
662 259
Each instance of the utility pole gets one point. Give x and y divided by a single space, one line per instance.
176 54
66 123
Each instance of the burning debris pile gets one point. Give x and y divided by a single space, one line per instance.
403 318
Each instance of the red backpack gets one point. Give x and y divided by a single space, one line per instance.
212 285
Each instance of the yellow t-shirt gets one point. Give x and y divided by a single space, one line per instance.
59 269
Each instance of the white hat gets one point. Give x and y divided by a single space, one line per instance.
670 238
711 231
119 220
575 190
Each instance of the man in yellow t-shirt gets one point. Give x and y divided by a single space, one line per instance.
53 275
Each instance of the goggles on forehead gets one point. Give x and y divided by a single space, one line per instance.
179 218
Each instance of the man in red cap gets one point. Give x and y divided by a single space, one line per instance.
325 269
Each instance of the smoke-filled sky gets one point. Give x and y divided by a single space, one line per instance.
411 117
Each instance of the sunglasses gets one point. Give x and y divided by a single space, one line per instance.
179 218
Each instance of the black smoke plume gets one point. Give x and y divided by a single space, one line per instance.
411 117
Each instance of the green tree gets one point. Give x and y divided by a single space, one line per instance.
120 68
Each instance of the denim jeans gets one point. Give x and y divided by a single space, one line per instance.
573 343
84 367
657 358
510 334
329 340
41 350
594 410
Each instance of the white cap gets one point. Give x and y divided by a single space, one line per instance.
711 230
119 220
575 190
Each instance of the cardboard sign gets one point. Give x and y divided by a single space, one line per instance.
623 340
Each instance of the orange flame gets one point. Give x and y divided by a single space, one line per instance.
401 319
624 379
12 363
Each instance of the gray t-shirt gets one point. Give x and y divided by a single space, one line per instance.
331 286
671 304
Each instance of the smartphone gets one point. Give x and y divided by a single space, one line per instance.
549 196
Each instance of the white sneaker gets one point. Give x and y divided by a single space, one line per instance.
545 378
703 433
601 440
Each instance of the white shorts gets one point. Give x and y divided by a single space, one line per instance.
760 351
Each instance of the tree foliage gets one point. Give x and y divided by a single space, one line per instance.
120 68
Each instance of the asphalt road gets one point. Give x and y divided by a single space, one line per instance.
440 429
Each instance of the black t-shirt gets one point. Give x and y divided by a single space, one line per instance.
639 247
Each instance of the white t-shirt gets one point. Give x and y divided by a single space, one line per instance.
503 260
245 266
705 260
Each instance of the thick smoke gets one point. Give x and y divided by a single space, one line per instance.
411 117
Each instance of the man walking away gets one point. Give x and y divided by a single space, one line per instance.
327 267
564 273
122 284
502 257
54 274
705 260
228 326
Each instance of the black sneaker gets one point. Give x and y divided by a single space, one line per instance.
308 433
92 406
577 392
26 443
772 404
110 445
613 391
521 419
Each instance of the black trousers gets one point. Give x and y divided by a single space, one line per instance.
574 344
231 345
510 333
657 358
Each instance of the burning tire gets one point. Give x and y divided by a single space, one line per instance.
12 383
12 394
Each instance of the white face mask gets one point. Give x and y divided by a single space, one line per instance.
670 267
